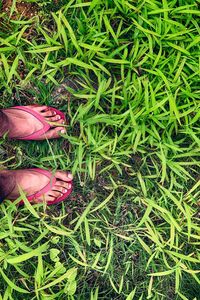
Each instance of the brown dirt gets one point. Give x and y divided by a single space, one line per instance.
24 9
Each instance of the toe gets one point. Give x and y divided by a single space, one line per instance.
44 198
64 176
63 184
40 108
61 122
53 119
48 113
63 189
55 194
59 189
49 198
53 133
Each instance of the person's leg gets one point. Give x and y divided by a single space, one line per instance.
7 184
3 123
7 181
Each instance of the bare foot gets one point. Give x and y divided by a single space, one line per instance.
22 123
32 182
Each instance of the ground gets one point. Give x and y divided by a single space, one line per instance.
126 74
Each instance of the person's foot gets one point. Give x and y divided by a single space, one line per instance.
22 123
32 182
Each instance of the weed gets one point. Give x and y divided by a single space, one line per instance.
126 73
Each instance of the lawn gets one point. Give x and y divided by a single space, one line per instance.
126 74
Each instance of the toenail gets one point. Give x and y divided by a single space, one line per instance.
63 122
65 190
61 194
63 131
69 186
58 117
70 176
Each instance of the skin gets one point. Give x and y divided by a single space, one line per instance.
31 182
20 123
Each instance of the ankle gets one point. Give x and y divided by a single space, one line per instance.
4 123
7 183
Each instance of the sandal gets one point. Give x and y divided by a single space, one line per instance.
46 126
52 181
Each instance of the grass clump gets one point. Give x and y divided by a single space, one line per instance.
126 74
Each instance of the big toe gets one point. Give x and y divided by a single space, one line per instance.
53 133
64 176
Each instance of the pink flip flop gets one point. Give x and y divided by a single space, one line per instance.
46 127
48 187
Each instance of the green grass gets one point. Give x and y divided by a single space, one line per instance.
130 230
